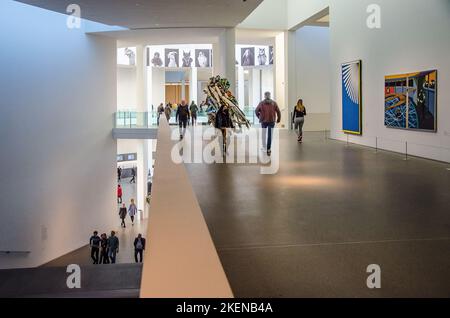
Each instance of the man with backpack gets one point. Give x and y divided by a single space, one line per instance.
139 247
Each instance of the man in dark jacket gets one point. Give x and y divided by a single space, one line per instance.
123 215
94 243
139 247
268 113
182 117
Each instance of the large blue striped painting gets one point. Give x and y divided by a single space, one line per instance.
351 97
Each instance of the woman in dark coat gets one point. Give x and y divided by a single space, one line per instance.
224 122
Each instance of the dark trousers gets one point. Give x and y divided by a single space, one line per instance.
136 253
132 219
119 199
267 134
104 259
182 122
122 223
194 119
94 254
133 179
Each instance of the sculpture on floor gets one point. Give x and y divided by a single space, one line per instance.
219 95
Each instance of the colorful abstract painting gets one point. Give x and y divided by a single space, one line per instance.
411 101
351 97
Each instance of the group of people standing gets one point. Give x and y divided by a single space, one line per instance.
104 249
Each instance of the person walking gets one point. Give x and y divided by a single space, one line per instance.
132 211
298 119
182 117
139 247
113 247
133 175
123 215
168 111
160 111
104 259
268 113
119 194
224 123
194 110
119 174
94 243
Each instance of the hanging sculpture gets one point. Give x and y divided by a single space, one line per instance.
218 95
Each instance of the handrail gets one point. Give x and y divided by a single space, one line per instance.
181 260
15 252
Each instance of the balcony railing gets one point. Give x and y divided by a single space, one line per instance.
146 120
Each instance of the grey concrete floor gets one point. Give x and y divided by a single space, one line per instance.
126 236
312 229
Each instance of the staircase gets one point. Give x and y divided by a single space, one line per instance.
99 281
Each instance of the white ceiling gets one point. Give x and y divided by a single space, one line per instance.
142 14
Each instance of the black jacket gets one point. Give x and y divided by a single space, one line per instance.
297 114
183 113
223 119
142 241
123 213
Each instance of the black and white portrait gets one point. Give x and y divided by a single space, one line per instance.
203 58
187 58
172 57
248 56
131 55
263 55
156 59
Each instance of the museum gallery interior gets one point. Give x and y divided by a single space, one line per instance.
247 149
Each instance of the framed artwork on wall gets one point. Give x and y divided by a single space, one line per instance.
410 101
351 98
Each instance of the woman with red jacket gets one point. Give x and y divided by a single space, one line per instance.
119 194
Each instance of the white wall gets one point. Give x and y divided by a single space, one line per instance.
312 75
126 88
414 37
58 96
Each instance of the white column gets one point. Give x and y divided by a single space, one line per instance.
230 62
183 88
241 87
224 57
256 86
140 80
193 85
282 54
291 76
